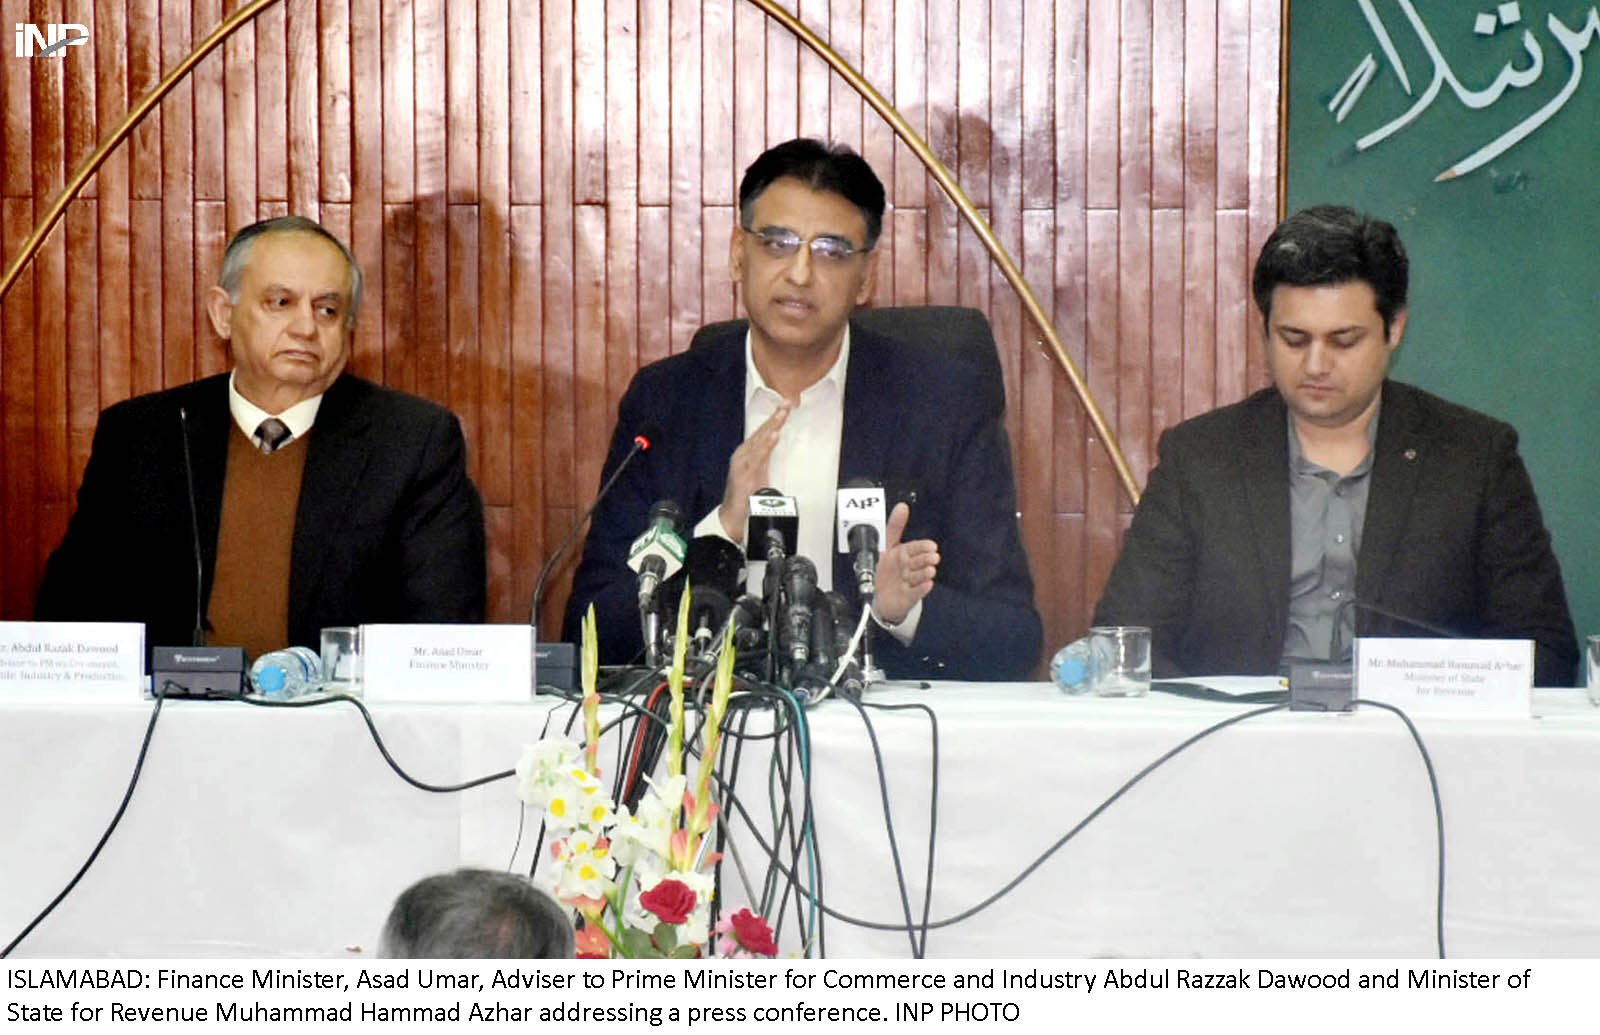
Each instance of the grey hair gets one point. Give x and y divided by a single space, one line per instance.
476 914
237 256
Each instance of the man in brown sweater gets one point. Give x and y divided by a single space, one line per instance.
318 498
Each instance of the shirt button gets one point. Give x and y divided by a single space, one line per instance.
1335 595
1339 538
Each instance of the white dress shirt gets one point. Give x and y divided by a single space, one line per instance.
804 464
298 418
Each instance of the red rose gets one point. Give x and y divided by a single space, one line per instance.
753 933
671 900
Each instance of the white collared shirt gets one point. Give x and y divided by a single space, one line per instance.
805 465
249 416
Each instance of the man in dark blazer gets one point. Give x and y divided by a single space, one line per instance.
806 392
1337 503
375 520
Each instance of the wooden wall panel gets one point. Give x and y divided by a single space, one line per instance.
542 194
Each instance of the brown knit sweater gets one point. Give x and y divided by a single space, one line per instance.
249 603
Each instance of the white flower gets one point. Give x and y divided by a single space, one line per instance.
542 768
552 778
583 780
585 867
561 810
663 801
636 836
596 812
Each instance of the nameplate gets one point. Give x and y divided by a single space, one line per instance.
82 661
449 663
1489 679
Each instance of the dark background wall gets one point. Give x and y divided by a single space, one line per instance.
541 194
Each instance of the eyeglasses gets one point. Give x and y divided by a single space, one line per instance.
778 242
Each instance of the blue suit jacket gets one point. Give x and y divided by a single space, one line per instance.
913 422
389 527
1452 536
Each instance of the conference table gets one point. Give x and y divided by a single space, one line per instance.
264 833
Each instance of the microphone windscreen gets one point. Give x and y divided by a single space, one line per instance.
710 561
714 561
647 435
667 510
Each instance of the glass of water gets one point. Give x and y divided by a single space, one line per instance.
1119 664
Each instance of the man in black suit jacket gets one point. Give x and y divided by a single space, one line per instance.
953 589
387 526
1286 524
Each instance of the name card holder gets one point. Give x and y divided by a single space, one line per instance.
72 661
1466 679
455 664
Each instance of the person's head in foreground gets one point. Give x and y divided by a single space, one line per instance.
476 914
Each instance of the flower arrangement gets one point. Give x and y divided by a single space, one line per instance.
638 879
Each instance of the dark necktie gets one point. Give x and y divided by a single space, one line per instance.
271 434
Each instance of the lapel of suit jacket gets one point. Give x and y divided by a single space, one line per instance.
1264 476
335 459
868 410
718 426
210 425
1393 485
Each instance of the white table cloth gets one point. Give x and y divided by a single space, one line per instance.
261 832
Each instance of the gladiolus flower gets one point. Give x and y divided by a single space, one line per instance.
592 943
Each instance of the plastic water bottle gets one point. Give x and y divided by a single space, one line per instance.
1069 669
286 673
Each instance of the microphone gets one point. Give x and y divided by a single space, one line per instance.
774 525
196 670
711 567
1330 685
710 560
1395 616
862 530
709 608
1352 603
824 622
648 433
744 618
799 586
845 615
814 675
658 553
199 637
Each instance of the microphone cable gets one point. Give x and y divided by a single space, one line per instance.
127 796
850 651
377 740
888 826
726 775
933 805
1094 814
1438 811
802 835
1028 870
